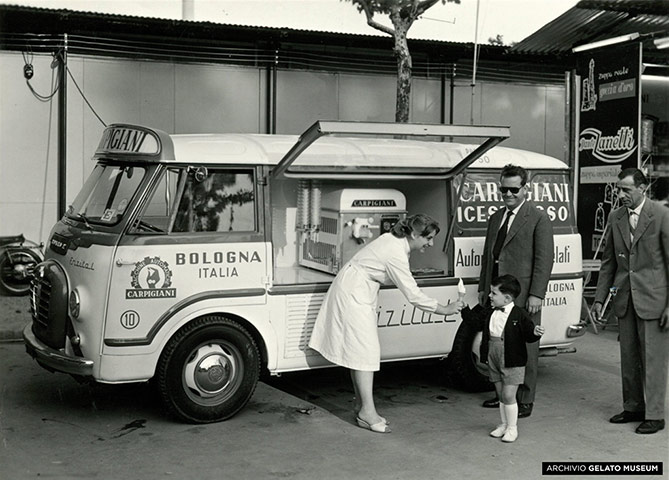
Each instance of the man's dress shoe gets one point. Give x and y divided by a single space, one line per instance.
626 416
525 409
650 426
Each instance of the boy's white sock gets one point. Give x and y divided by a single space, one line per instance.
511 412
511 433
501 428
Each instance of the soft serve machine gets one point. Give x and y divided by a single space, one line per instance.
332 226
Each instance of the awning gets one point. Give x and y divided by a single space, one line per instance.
376 150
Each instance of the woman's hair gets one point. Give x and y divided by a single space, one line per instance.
420 223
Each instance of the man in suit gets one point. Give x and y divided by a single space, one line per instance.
635 260
519 242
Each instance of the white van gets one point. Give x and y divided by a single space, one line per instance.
200 260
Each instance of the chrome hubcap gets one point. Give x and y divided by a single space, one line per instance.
210 370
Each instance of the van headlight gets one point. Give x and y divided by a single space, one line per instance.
74 304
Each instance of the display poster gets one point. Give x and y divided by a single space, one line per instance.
608 136
480 198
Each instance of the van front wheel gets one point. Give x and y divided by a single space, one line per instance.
208 370
464 363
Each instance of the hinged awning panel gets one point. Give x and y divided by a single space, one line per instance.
331 150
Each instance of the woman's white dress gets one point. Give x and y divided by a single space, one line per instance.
345 332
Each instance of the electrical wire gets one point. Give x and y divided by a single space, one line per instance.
371 61
27 58
84 97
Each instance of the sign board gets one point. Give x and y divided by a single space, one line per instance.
608 136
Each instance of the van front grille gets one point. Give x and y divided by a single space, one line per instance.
39 305
48 294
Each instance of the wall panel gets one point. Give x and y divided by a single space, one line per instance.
215 98
426 101
367 98
303 98
27 155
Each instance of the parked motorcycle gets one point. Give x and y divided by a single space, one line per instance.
18 258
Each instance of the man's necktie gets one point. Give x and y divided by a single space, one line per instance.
501 235
634 220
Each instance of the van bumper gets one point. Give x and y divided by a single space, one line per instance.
55 360
577 330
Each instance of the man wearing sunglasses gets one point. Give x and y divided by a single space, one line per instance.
519 242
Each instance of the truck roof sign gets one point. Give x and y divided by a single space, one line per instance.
128 139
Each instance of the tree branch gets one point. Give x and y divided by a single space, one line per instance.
424 5
374 24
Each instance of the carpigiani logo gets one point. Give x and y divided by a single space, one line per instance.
151 278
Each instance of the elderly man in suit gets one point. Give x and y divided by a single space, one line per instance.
635 260
519 242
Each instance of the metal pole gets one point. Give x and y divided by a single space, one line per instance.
275 71
62 129
451 112
442 109
476 41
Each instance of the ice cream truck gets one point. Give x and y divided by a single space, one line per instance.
200 261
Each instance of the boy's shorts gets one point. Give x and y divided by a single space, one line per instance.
496 369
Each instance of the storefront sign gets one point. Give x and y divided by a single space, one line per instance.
480 198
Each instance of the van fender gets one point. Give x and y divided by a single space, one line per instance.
249 311
254 318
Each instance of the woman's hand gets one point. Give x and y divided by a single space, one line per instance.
452 308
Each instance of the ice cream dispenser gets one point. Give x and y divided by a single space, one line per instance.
334 225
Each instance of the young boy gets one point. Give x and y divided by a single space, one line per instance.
506 330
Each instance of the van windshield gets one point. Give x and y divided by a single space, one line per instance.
105 196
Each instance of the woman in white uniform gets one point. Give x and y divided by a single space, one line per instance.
345 332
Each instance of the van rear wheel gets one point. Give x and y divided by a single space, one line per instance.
208 370
464 363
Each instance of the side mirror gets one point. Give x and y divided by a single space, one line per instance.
200 174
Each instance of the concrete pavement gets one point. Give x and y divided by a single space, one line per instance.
14 315
53 427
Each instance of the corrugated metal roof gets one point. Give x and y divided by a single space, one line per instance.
42 30
593 20
374 34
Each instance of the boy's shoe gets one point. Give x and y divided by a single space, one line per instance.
511 435
499 431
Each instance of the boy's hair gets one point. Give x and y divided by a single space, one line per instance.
508 285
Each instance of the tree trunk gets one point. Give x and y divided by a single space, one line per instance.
404 67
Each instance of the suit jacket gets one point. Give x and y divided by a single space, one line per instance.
527 252
639 268
519 329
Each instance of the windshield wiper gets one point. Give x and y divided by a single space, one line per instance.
79 216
